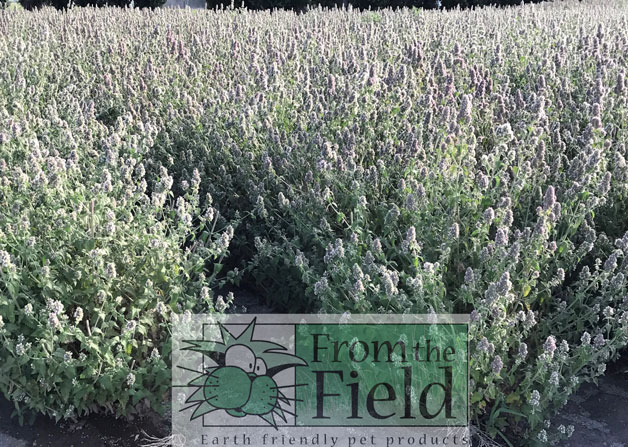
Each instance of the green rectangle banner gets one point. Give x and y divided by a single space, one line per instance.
325 380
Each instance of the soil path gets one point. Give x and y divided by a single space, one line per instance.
600 412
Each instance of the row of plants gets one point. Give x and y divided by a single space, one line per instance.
94 261
335 161
299 5
31 5
302 5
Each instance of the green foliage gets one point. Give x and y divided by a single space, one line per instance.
63 4
34 4
149 3
102 3
366 4
376 161
91 271
369 189
31 5
259 4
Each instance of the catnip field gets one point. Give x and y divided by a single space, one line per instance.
398 161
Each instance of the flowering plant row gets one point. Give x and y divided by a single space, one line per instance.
398 161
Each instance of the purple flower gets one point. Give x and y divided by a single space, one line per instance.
523 351
535 398
454 231
497 364
489 215
469 276
483 345
599 341
605 185
550 198
501 237
549 347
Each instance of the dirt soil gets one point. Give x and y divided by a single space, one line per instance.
95 431
600 412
